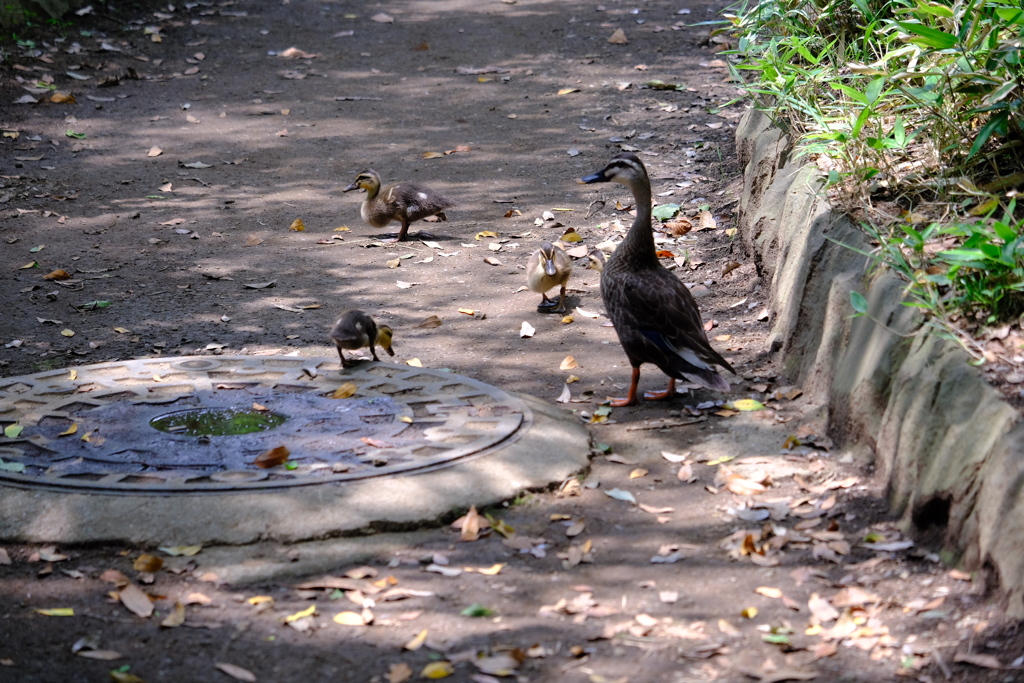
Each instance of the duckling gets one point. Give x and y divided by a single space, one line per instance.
402 202
549 267
356 329
654 314
596 260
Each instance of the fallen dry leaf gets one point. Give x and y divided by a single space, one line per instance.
125 677
344 391
147 563
417 642
400 672
296 53
236 672
471 525
176 617
436 670
103 655
297 225
978 659
136 600
618 37
349 619
272 458
707 221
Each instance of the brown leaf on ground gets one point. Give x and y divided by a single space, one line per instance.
706 221
978 659
854 596
472 523
115 577
679 227
363 572
618 37
272 458
136 600
400 672
821 610
825 649
176 617
147 563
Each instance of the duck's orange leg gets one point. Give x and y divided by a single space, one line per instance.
662 395
630 399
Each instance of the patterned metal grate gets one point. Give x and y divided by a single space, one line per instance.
90 428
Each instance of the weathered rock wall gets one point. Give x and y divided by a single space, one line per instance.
950 449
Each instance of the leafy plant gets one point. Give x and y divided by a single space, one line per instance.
910 102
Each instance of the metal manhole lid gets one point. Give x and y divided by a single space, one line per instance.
90 428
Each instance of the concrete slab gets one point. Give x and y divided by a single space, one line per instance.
551 446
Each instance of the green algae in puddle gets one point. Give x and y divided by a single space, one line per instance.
217 422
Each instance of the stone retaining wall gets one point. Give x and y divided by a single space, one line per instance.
950 449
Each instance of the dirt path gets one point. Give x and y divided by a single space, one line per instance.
249 141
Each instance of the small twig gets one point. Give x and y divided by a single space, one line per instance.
110 18
666 424
110 620
941 663
596 201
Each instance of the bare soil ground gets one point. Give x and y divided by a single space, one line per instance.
591 588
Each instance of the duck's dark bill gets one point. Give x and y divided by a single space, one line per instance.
351 187
598 177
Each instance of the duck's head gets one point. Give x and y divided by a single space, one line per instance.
596 260
546 256
625 169
366 180
384 334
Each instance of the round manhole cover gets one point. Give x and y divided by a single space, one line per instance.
242 423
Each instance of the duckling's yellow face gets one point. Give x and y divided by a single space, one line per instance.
384 334
367 180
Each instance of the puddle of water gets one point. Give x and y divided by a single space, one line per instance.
216 422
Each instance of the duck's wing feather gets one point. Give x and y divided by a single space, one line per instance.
418 202
658 321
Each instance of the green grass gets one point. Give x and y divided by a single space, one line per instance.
913 111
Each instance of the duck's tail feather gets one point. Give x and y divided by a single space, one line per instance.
709 379
687 363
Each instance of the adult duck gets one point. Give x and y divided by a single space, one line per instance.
654 314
